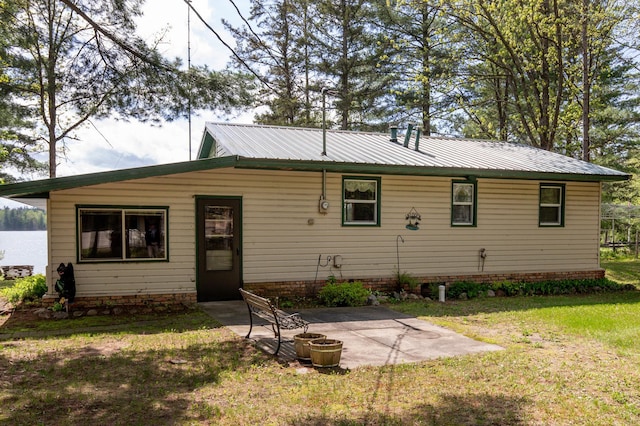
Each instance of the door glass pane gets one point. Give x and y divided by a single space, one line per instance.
218 237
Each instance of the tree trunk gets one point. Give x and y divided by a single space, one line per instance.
586 83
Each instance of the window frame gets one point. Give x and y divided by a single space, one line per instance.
474 203
377 202
123 211
561 205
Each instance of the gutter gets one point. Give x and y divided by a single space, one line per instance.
41 188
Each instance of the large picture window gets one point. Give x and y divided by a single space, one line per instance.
361 201
463 203
121 234
551 205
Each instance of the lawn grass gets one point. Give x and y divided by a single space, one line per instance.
566 360
625 270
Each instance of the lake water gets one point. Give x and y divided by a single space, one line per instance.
24 248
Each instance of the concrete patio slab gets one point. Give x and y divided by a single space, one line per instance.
371 335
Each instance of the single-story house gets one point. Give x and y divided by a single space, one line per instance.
278 210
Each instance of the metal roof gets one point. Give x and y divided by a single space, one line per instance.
301 144
289 148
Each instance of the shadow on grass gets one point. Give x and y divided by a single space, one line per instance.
516 303
482 409
24 326
79 387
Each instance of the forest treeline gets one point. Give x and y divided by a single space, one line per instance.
23 219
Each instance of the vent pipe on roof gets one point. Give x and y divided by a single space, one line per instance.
324 124
407 136
394 133
418 131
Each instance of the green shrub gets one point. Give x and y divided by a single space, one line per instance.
554 287
405 279
28 288
472 289
539 288
343 294
509 288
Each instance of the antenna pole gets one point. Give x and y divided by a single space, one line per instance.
189 70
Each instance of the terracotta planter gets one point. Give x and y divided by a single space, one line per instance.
301 343
325 352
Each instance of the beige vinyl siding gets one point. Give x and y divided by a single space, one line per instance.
279 244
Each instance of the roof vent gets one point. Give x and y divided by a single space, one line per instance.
394 133
418 131
407 136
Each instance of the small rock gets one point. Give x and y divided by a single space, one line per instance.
413 296
372 300
77 314
117 311
382 298
463 296
60 315
491 293
92 312
106 312
43 313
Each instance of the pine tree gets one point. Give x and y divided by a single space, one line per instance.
273 43
421 56
16 144
86 62
345 44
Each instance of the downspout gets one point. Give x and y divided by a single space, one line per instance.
323 204
324 122
324 184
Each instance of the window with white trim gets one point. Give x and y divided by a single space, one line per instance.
361 201
551 205
463 203
122 234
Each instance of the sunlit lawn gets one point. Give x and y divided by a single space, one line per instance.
567 360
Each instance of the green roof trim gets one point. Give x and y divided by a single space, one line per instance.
206 146
41 188
383 169
44 186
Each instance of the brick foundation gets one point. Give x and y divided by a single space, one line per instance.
137 300
292 289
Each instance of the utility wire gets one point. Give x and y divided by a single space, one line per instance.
206 24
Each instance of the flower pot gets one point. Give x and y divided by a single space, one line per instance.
301 343
325 352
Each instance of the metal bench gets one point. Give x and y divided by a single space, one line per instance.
264 309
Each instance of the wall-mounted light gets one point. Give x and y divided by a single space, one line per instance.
414 219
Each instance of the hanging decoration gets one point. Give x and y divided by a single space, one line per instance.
414 219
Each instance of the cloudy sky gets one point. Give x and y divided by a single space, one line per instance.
109 144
